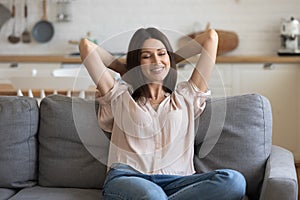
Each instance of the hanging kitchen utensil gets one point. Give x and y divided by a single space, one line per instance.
26 33
13 38
5 15
228 40
43 30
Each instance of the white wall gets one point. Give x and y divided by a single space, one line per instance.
256 22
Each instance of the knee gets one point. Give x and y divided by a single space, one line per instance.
132 188
234 183
149 192
152 194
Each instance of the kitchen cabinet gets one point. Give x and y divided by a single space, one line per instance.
16 69
280 84
220 82
29 65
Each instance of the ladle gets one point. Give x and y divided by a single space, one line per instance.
26 33
13 38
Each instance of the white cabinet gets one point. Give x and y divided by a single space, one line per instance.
29 66
220 83
8 70
280 84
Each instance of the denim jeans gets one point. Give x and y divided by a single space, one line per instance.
123 182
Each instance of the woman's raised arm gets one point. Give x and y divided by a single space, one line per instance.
206 44
111 62
94 58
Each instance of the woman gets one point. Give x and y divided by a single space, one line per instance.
152 126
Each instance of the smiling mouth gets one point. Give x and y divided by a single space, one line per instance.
158 70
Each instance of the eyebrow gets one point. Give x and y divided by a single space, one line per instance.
146 51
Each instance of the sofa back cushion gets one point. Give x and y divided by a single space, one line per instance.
73 149
235 133
18 143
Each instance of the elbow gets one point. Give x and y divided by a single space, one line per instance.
209 36
212 35
85 47
211 42
83 44
82 48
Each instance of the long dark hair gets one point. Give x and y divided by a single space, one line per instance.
134 76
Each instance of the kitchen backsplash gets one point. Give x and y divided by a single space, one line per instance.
112 22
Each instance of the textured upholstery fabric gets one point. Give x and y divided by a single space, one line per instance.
18 142
236 133
6 193
45 193
280 175
65 125
233 132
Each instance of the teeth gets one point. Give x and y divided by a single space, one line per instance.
157 69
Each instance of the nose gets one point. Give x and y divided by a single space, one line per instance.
156 59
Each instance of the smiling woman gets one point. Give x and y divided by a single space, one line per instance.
155 61
150 47
151 120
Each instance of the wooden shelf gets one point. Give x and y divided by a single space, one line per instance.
41 59
258 59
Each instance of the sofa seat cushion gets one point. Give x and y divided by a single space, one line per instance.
73 149
236 133
6 193
19 117
47 193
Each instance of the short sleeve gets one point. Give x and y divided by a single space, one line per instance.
194 96
105 114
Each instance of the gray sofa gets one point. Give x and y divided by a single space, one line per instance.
56 151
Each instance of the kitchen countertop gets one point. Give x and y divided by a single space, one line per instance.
220 59
40 58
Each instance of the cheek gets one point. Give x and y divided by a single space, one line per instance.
168 64
145 69
143 62
167 60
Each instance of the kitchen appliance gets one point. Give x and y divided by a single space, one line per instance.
290 37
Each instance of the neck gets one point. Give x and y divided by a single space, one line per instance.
156 91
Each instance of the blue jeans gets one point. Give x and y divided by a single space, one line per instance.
124 182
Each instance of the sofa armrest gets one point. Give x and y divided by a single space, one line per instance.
280 181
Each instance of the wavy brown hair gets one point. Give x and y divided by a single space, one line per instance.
134 75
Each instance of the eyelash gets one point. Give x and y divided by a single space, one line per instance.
149 55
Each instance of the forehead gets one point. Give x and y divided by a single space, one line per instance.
153 44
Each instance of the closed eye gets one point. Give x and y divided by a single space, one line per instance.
145 55
162 53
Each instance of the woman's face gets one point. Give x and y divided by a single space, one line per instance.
155 60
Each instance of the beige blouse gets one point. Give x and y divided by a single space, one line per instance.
152 141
